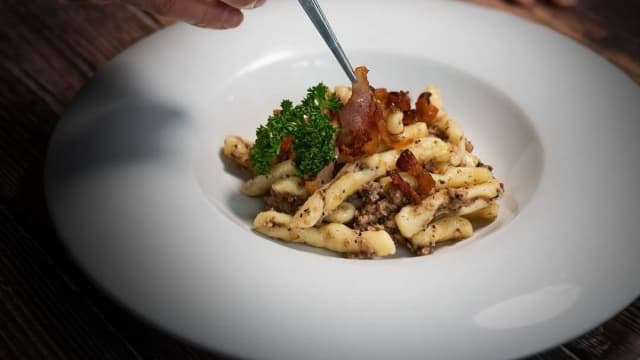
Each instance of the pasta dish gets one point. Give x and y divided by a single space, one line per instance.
360 171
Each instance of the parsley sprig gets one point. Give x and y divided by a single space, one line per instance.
310 128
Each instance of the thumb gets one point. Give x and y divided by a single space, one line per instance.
213 14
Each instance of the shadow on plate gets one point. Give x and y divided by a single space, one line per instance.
88 143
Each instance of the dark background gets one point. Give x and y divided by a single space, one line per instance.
48 50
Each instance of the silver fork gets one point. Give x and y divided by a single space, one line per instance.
313 10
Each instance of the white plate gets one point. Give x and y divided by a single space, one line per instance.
139 193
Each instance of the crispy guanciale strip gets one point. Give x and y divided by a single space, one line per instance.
408 162
398 100
380 118
410 117
404 186
286 149
425 110
357 123
386 104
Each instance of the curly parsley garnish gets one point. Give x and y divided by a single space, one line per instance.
308 124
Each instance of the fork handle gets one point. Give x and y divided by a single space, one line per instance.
313 10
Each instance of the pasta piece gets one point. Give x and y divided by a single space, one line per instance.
454 132
274 224
487 213
462 157
343 93
424 149
458 154
340 238
412 132
342 214
462 176
439 167
260 184
386 181
311 212
445 229
395 125
436 97
237 149
290 185
333 236
330 196
413 218
450 128
346 185
470 160
452 177
476 205
489 190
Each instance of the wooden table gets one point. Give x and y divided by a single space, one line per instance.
48 50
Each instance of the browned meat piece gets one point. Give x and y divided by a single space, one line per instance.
283 203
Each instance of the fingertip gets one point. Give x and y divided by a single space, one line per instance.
566 3
232 19
524 2
258 3
222 17
244 4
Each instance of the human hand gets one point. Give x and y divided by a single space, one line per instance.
562 3
215 14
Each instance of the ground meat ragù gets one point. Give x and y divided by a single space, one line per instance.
378 207
285 203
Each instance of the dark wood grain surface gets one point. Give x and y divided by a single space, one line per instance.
48 49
